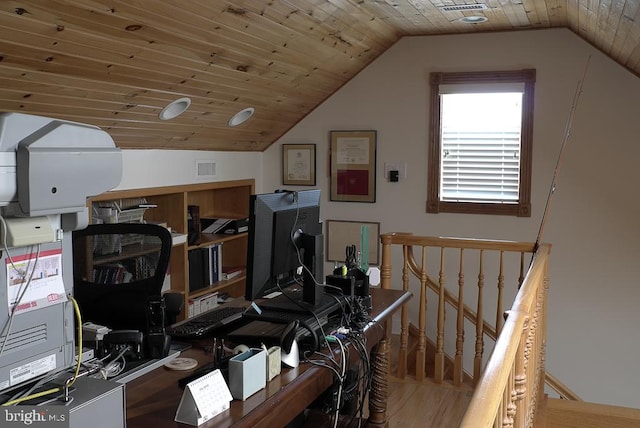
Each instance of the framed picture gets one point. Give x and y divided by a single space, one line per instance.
299 164
362 234
353 166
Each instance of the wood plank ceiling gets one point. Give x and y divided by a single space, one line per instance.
117 63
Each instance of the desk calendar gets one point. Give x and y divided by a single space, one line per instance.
203 399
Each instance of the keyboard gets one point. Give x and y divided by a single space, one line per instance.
206 324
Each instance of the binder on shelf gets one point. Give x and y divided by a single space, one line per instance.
215 262
198 269
229 226
202 304
191 309
230 272
194 224
208 302
205 266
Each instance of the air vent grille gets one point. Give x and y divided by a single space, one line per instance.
205 169
464 7
25 338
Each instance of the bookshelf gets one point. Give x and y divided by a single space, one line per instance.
225 199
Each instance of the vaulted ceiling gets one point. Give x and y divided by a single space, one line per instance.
117 63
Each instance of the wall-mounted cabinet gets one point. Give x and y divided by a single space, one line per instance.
169 206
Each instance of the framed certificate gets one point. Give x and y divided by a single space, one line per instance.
299 164
353 166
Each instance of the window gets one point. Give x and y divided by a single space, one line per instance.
480 144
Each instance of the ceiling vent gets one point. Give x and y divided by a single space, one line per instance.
464 7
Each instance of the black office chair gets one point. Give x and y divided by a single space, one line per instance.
173 303
119 270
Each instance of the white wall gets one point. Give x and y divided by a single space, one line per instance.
593 337
154 168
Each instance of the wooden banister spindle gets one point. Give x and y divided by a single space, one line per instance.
504 415
501 415
385 267
541 371
499 309
458 369
439 357
520 376
477 361
535 374
532 373
421 352
511 397
403 354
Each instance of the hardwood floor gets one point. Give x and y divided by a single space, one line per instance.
413 404
425 404
580 414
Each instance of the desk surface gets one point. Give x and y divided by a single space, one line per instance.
152 399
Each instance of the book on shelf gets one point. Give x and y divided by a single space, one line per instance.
215 262
229 226
205 266
111 274
202 304
178 238
230 272
198 269
194 227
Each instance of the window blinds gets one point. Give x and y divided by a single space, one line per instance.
480 159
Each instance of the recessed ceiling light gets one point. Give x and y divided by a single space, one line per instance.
175 108
475 19
241 117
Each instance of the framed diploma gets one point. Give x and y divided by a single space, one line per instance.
299 164
353 166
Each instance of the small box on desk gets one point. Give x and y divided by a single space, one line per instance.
247 373
347 284
355 283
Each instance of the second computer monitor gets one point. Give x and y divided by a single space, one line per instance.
285 233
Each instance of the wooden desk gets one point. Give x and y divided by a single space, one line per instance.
152 399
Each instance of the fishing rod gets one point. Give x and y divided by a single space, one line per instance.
565 140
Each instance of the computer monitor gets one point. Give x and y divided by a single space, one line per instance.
285 233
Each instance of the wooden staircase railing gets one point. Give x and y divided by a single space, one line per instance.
508 388
563 391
